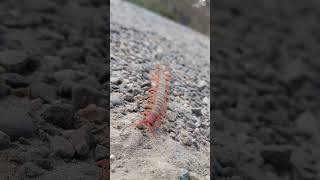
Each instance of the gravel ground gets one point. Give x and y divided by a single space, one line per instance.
139 40
266 90
53 87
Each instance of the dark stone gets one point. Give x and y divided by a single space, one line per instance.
129 98
196 111
60 115
44 91
146 84
16 124
15 80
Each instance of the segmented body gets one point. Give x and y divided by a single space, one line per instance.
156 107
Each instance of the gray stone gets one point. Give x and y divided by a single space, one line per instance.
184 174
205 132
206 100
172 135
116 100
61 147
4 140
171 116
100 152
44 91
187 141
115 80
16 124
191 124
201 84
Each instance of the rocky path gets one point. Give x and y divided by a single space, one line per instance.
140 39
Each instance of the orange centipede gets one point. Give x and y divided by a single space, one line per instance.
157 100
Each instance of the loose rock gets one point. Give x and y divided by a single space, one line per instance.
116 100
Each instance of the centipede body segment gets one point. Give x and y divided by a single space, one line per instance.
156 106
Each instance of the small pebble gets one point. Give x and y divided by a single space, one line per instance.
196 111
184 173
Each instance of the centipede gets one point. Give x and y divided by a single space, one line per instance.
157 100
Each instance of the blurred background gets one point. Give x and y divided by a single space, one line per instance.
265 89
192 13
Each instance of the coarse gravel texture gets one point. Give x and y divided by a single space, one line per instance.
138 40
52 53
265 90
